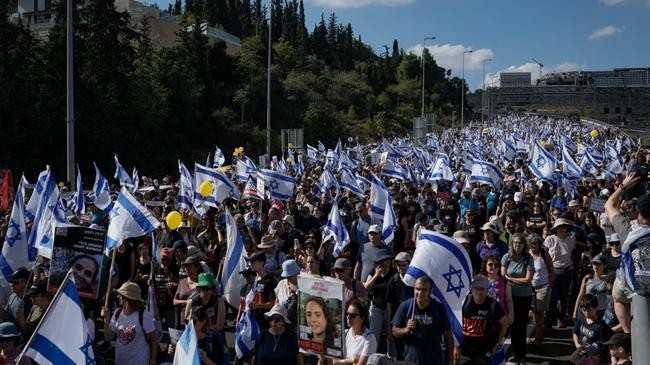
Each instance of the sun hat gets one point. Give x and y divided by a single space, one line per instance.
8 330
131 291
268 241
403 257
289 219
280 310
382 255
206 279
490 226
461 236
561 222
290 268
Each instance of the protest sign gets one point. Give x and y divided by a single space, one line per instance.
320 316
80 249
597 205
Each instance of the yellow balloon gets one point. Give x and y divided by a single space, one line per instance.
173 220
290 144
289 160
543 143
594 134
486 130
205 189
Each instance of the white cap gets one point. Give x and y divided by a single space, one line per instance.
519 197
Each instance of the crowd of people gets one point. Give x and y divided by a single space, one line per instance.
536 250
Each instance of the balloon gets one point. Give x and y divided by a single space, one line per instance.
173 220
486 130
289 160
593 133
543 143
205 189
290 145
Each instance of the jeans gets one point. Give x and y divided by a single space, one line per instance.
560 292
377 321
519 326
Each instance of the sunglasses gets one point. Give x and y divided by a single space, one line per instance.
615 243
492 264
352 315
373 233
276 319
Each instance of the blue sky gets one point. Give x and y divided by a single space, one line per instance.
564 35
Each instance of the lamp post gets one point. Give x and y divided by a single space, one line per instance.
423 48
462 94
268 88
483 93
69 70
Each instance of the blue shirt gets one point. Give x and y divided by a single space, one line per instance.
498 249
559 202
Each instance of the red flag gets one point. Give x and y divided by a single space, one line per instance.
7 190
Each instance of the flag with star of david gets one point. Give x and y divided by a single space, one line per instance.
49 211
279 185
15 249
62 336
484 172
128 219
542 164
447 264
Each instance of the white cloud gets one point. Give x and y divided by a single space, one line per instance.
608 31
358 3
610 2
450 56
492 79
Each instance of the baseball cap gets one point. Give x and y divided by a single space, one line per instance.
620 339
403 257
480 282
342 263
461 236
374 228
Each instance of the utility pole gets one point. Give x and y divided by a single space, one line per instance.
69 70
268 87
423 73
462 94
484 89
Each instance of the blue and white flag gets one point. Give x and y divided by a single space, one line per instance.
101 195
77 204
542 164
219 158
280 186
62 336
299 167
615 167
223 187
346 162
485 172
235 262
244 170
447 264
321 147
50 211
312 153
570 168
389 222
121 174
379 200
394 169
186 187
568 142
441 169
247 329
187 347
327 180
393 153
349 183
15 251
507 150
589 164
522 146
362 181
32 204
335 229
128 219
281 166
135 178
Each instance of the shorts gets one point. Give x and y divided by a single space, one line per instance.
620 292
542 298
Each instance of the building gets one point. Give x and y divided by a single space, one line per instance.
515 79
618 77
39 17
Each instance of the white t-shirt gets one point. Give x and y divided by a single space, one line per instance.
131 345
283 291
364 345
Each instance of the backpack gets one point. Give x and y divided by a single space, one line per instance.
635 262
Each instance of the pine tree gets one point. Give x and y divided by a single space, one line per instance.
178 7
332 30
302 29
246 18
276 13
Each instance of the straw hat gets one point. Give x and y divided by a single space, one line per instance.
131 291
268 241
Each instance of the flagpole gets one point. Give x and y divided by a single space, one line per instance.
44 316
110 276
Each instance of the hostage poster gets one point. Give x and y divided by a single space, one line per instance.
80 249
320 316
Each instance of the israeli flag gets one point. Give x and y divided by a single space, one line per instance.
50 211
281 167
441 169
349 183
121 174
186 188
77 204
392 152
335 229
32 204
321 147
522 146
135 178
247 329
235 262
447 264
128 219
381 208
101 195
542 164
312 153
507 150
223 187
15 251
280 186
485 172
187 347
327 180
394 169
570 168
589 164
362 181
300 168
62 336
346 161
389 222
615 167
243 170
219 158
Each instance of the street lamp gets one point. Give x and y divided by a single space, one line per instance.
462 94
423 48
483 93
268 88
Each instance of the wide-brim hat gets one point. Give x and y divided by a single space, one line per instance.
403 257
561 222
289 219
490 226
268 241
461 236
131 291
279 310
290 268
384 255
8 330
206 279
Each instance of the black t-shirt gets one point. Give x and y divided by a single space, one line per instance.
480 326
397 292
422 345
377 293
276 350
264 293
589 333
536 218
213 347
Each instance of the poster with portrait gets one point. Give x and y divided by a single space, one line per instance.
80 249
320 316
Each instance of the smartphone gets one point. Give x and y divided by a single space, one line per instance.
296 244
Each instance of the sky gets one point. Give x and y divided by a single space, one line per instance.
563 35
